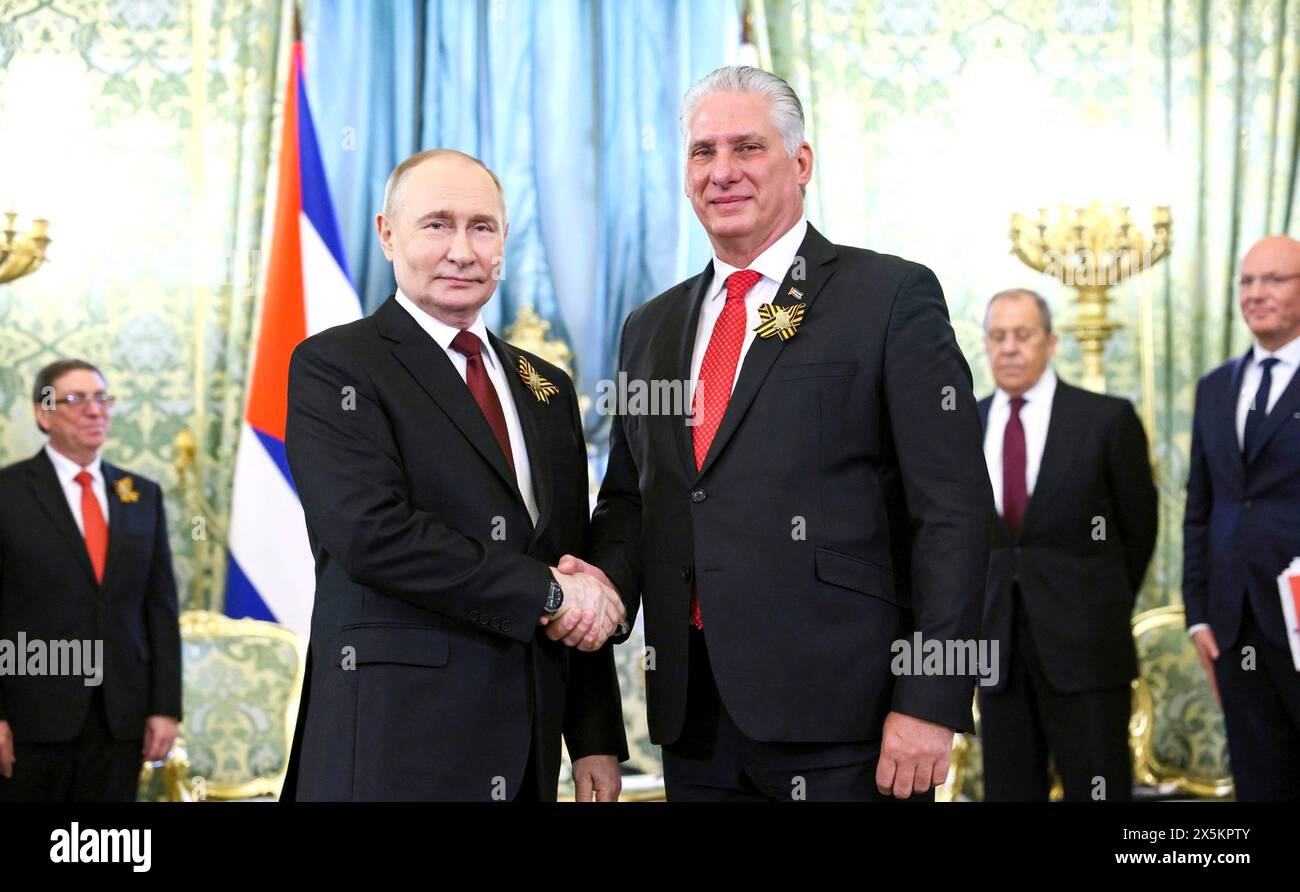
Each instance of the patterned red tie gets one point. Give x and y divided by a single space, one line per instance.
717 375
95 530
1014 492
468 345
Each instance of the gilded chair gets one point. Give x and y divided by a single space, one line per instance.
1180 747
242 682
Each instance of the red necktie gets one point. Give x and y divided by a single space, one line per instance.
1014 492
95 530
717 374
468 345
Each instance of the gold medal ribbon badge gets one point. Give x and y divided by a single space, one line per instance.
779 320
541 388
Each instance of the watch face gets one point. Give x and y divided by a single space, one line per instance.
555 598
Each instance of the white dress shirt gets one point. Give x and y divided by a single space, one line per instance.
443 334
772 265
67 470
1288 358
1035 415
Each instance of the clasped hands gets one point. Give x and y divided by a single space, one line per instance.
592 608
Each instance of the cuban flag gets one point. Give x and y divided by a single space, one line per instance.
308 289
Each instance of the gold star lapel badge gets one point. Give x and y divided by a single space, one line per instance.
125 489
779 320
541 388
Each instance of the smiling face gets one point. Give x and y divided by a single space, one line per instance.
1017 343
1270 291
446 238
77 431
744 187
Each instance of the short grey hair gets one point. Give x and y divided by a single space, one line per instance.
787 110
394 185
1044 310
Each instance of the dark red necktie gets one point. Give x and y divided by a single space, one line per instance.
468 345
717 374
1014 493
94 529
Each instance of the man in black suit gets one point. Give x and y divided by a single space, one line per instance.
95 588
1241 527
443 472
819 505
1076 528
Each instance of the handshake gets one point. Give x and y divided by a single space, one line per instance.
592 609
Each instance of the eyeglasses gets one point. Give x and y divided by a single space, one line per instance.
1022 335
1268 280
81 400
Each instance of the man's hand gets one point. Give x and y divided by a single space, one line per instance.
590 612
1208 651
571 564
597 777
914 755
159 735
6 751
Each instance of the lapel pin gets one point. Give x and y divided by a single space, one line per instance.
125 489
542 389
779 320
795 293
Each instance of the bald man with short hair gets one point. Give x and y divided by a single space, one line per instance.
1241 527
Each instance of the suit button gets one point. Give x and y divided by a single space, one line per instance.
1248 503
496 622
483 619
1016 550
473 614
698 496
686 573
505 625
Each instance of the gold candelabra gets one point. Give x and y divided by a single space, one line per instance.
21 253
1090 249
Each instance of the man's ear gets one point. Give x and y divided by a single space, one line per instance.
384 228
36 411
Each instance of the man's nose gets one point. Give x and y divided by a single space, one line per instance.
724 170
460 252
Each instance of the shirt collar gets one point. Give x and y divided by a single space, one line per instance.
67 470
1042 391
1288 354
772 264
442 332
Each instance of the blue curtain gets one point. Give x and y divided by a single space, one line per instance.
572 102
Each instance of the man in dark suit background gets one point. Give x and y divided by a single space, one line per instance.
1076 528
1241 527
443 472
84 564
823 503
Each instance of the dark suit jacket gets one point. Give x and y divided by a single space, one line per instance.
841 506
48 591
1241 527
430 574
1078 590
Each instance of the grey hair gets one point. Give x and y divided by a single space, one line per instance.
1044 310
394 185
787 111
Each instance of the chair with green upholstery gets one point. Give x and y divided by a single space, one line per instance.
242 680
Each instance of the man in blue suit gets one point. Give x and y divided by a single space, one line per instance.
1242 527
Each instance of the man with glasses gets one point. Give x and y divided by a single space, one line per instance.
1075 531
90 667
1241 527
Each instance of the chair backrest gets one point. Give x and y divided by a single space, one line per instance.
242 683
1177 735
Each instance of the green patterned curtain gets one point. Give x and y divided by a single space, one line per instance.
933 121
143 130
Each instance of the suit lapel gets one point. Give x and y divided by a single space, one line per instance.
49 495
429 365
684 433
531 418
1286 404
819 256
116 521
1065 427
1225 435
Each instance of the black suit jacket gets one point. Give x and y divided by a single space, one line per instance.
1241 527
1079 577
48 591
841 506
429 676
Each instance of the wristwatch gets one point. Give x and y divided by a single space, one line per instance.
554 599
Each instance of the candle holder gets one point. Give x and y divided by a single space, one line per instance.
21 253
